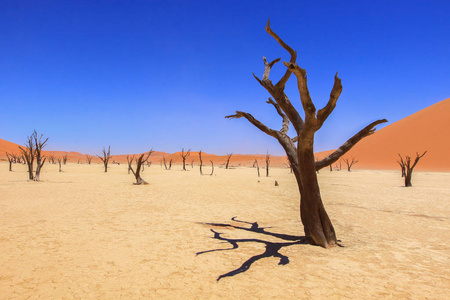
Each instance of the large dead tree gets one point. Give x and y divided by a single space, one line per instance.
300 149
407 168
228 160
32 151
106 157
349 163
185 155
139 164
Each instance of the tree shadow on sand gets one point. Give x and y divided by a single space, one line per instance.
272 249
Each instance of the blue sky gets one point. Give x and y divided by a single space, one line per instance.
163 74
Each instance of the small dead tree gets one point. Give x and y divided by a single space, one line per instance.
212 168
40 159
59 163
407 168
88 159
11 159
350 163
267 164
106 157
255 164
165 165
228 160
201 162
185 155
300 149
65 158
29 154
139 164
192 163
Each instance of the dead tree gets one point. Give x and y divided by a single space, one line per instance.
299 150
139 164
185 155
65 158
106 157
349 162
59 163
402 166
406 166
228 160
267 164
29 154
40 159
165 165
212 168
201 162
255 164
88 159
11 159
192 163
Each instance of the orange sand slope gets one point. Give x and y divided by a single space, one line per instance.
426 130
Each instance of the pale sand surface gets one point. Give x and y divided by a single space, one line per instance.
86 234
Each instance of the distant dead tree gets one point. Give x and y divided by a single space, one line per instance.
106 157
88 159
185 155
406 165
11 159
255 164
59 163
300 149
65 158
40 159
201 162
192 163
350 163
212 168
228 160
32 151
267 164
139 163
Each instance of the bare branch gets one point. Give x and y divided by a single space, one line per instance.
255 122
323 113
366 131
285 127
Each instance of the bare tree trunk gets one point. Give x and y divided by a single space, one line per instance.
184 155
201 162
406 164
40 160
212 168
10 158
139 164
350 163
165 165
267 164
59 163
228 160
106 157
65 158
257 167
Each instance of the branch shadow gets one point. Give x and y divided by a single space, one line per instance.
272 249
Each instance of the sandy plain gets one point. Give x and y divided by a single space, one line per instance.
86 234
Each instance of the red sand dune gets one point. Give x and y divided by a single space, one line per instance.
428 129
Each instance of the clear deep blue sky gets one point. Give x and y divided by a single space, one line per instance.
163 74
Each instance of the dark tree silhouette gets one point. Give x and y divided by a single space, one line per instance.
65 158
59 159
185 155
40 159
228 160
300 149
255 164
407 168
201 162
349 163
106 157
139 164
11 159
28 154
88 159
267 164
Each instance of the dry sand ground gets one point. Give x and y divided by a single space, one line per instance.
86 234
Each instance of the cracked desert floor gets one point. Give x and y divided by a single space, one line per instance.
86 234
